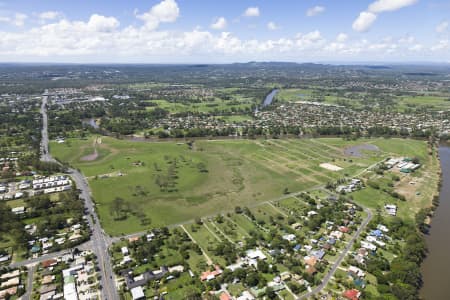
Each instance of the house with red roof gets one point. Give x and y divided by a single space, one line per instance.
210 275
352 294
344 229
49 263
225 296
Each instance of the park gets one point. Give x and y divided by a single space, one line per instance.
142 185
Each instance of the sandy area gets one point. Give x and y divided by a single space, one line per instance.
330 167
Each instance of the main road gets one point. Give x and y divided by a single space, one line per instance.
100 241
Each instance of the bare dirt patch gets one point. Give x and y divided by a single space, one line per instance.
94 155
330 167
90 157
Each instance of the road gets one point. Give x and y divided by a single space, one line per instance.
100 242
33 261
45 155
341 257
29 286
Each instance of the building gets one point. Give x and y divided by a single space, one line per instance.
256 254
351 294
391 209
137 293
210 275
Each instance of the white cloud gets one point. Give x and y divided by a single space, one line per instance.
167 11
252 12
18 19
102 39
366 18
272 26
103 24
314 11
442 27
441 45
50 15
409 39
416 47
389 5
341 37
219 24
364 21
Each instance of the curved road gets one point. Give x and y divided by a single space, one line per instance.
100 241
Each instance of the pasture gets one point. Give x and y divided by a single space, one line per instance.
164 183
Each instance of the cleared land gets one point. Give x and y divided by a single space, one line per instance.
168 183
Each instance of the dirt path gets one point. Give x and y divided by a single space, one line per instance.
212 232
223 233
94 155
243 231
208 259
278 210
291 152
281 168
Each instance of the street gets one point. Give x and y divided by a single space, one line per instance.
100 242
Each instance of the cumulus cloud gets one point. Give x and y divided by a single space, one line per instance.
272 26
101 39
389 5
219 23
341 37
442 27
167 11
252 12
102 24
50 15
314 11
366 18
18 19
441 45
364 21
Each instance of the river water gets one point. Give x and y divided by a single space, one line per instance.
269 98
436 267
90 122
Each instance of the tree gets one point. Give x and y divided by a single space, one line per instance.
116 208
270 293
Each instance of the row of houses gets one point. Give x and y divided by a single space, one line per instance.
78 281
47 185
10 283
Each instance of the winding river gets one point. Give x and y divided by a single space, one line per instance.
436 267
269 98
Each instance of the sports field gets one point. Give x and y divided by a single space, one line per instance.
163 183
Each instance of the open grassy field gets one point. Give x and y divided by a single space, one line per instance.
168 183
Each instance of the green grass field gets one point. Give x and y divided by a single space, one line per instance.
213 176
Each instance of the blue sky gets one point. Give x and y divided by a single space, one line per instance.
192 31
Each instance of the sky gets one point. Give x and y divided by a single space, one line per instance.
213 31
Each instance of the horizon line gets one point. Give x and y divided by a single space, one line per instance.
393 62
